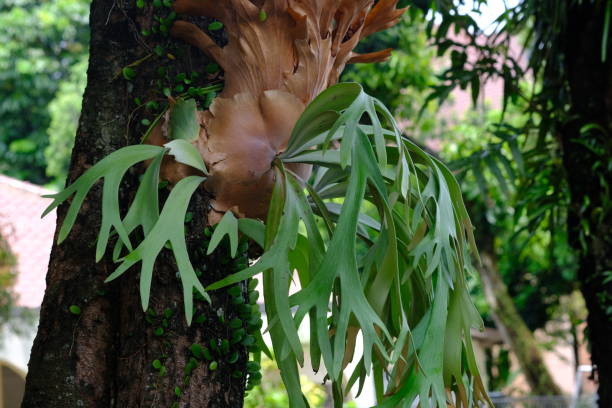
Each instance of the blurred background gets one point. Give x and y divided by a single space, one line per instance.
463 82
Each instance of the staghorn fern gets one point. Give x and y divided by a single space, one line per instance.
378 235
158 229
387 267
394 277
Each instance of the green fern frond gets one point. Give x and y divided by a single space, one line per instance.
158 229
387 268
392 270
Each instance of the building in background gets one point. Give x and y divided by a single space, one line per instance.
29 238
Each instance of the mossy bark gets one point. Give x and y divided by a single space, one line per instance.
509 322
513 329
103 357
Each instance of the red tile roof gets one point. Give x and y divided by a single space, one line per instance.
29 237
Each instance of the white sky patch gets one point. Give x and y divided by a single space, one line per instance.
484 14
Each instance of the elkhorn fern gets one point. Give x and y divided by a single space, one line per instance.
374 229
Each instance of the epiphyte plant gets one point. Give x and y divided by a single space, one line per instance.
373 228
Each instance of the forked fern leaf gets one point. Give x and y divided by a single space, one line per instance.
185 153
158 229
112 168
387 268
144 211
227 226
167 229
390 271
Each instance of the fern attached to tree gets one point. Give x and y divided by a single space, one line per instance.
378 238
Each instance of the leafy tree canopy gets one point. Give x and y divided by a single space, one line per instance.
64 111
41 41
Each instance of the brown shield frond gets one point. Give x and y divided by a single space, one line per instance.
278 58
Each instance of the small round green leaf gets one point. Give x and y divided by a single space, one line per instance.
235 323
235 291
215 26
129 73
233 358
197 350
75 310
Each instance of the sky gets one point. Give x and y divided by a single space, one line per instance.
488 12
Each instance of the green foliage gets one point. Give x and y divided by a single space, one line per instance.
64 111
401 287
75 310
167 229
402 82
510 190
272 393
184 123
159 229
545 104
499 368
526 163
112 168
395 276
215 26
227 226
41 41
185 153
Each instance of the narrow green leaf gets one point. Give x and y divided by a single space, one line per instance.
301 137
168 228
253 229
111 168
227 226
496 171
517 155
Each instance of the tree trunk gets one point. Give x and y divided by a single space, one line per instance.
513 329
504 313
106 354
586 158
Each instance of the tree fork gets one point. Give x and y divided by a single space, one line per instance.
95 347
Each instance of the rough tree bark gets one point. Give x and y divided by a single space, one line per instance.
103 356
513 329
586 158
508 321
